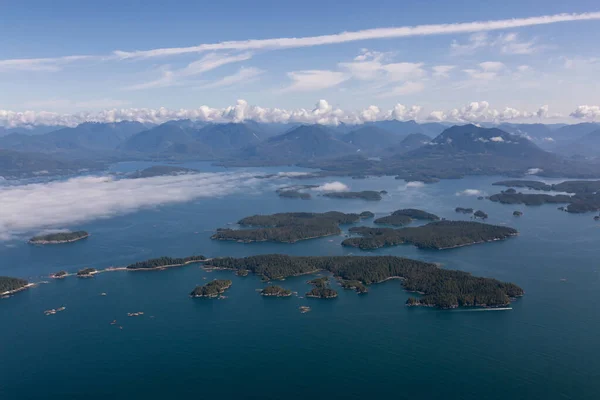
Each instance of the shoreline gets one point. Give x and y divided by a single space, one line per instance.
9 293
43 242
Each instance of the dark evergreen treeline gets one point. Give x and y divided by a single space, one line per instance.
276 291
440 287
416 214
86 271
212 288
370 195
395 220
294 194
358 286
464 210
586 196
8 284
321 289
287 227
480 214
366 214
435 235
164 261
60 237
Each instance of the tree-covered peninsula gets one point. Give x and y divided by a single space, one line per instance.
287 227
59 237
435 235
86 272
438 287
10 285
462 210
164 262
370 195
405 217
275 291
394 220
212 289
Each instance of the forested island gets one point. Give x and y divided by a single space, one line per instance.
164 262
585 198
212 289
287 227
10 285
86 272
480 214
276 291
366 215
355 285
294 194
438 287
321 289
435 235
59 237
59 274
405 217
463 210
369 195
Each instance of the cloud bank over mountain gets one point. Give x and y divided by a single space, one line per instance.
323 113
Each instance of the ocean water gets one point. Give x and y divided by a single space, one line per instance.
352 347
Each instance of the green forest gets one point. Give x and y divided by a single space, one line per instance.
163 261
435 235
212 288
60 237
276 291
8 284
287 227
439 287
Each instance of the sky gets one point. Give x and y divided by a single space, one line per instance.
66 62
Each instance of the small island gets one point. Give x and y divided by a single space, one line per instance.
355 285
163 262
161 170
437 235
438 287
294 194
369 195
59 237
394 220
287 227
462 210
86 272
480 214
275 291
59 275
366 215
529 199
517 213
416 214
10 285
241 272
212 289
321 289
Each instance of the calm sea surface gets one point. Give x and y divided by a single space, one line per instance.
352 347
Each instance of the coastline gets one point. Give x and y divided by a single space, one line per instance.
30 241
9 293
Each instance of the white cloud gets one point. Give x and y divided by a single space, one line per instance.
244 75
314 80
480 111
586 112
470 192
61 204
533 171
548 139
178 77
492 66
333 187
54 63
508 43
442 71
414 184
406 88
497 139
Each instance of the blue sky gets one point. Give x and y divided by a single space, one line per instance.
531 72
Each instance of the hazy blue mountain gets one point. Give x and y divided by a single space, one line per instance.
409 143
398 127
303 143
572 132
432 129
89 136
227 137
586 146
370 138
172 136
16 164
29 130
